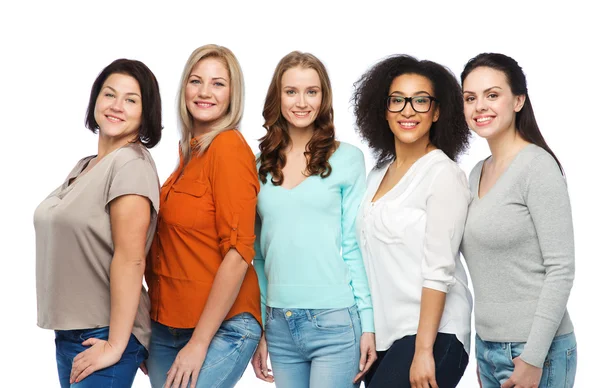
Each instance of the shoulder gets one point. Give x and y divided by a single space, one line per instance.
230 141
349 151
447 173
536 158
134 152
347 156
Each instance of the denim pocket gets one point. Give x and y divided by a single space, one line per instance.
559 368
571 367
333 319
516 348
98 333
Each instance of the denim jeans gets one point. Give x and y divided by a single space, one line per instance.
227 357
120 375
392 367
313 348
495 362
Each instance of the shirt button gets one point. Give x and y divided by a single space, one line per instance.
288 314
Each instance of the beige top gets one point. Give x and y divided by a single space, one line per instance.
74 246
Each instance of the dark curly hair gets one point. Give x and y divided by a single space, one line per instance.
449 133
272 146
525 122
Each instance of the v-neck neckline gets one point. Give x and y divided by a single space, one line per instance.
401 180
500 178
310 176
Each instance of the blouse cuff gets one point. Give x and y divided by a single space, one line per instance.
436 285
367 321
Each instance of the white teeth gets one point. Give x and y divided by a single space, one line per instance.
408 124
203 105
483 119
113 119
301 114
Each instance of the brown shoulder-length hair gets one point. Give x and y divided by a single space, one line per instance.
272 146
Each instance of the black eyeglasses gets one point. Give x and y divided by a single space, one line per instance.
420 104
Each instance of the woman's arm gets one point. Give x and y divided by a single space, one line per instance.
446 211
547 199
130 219
352 194
234 183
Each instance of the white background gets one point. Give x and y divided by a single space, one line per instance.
51 52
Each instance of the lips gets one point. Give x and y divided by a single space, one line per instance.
301 114
204 104
113 119
482 121
408 124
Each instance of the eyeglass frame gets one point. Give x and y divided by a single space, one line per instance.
409 100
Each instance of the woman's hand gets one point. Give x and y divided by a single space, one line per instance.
524 375
100 355
259 361
187 365
368 354
422 370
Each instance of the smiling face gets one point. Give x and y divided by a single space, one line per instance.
490 106
118 109
409 126
207 93
301 97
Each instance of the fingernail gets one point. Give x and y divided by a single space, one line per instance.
362 366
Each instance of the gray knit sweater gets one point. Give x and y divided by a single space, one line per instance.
518 245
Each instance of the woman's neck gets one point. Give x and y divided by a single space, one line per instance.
411 152
505 146
299 138
106 145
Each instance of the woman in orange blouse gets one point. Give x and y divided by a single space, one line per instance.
203 289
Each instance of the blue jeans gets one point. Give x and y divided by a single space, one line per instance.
68 345
495 362
313 348
228 355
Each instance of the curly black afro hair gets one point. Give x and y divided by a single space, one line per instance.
450 133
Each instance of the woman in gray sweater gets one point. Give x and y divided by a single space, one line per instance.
518 239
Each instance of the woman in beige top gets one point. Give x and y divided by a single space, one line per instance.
94 231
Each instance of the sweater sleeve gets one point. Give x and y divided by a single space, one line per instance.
235 188
352 193
446 216
547 199
259 267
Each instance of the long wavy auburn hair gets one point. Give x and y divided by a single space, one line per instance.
273 145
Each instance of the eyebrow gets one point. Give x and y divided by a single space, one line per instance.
127 94
419 92
308 87
485 91
197 76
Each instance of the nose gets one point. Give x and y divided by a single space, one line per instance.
301 101
408 110
481 105
117 105
204 90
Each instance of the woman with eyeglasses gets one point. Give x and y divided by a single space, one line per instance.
518 240
411 222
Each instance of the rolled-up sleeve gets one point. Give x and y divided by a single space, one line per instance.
446 209
235 188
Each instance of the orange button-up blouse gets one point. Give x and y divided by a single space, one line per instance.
204 213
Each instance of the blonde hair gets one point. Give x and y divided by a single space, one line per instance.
233 116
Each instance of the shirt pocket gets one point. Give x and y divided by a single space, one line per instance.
398 224
191 205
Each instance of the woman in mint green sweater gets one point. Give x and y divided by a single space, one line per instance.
316 301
